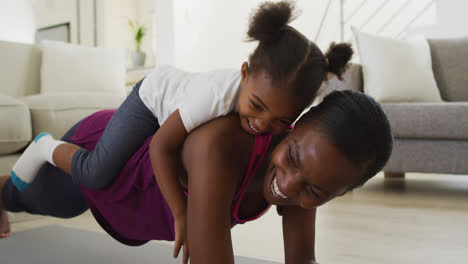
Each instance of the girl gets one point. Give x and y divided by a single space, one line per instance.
269 92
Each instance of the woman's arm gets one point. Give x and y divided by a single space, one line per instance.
209 214
299 235
213 165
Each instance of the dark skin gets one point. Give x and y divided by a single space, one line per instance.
306 166
5 230
217 166
262 107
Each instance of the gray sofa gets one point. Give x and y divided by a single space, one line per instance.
25 112
429 137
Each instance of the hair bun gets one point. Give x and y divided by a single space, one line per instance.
338 56
268 20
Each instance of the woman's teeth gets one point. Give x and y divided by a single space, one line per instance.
276 191
253 129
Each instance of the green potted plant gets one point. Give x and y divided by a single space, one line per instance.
139 31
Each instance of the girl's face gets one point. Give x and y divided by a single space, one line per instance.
307 170
263 107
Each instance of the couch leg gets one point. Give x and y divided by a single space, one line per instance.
394 175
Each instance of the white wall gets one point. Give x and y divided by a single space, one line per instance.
164 37
53 12
17 21
207 34
146 15
112 29
452 19
86 22
198 35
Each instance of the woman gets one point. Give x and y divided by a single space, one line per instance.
334 148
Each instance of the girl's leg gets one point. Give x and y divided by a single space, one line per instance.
35 155
131 124
126 131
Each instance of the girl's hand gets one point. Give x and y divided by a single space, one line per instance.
181 237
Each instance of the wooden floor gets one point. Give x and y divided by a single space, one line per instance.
416 220
420 219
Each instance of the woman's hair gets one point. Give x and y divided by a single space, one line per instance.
287 56
358 127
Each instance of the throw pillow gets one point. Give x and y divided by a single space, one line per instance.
397 70
72 68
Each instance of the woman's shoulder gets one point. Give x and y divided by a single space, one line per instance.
222 137
220 133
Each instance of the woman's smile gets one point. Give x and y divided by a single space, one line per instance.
272 189
276 190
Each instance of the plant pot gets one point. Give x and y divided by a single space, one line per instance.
138 58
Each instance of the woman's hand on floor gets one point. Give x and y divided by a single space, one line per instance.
180 226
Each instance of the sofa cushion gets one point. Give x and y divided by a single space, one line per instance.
73 68
397 70
448 120
15 129
450 65
56 113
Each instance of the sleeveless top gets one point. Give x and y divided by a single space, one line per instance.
132 209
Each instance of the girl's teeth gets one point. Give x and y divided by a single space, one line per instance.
250 124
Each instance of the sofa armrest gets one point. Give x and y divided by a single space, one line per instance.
15 128
57 112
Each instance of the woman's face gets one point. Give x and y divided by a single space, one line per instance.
307 170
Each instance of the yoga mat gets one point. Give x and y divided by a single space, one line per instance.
55 244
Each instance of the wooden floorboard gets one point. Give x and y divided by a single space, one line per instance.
422 218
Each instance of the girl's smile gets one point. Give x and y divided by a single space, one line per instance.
264 107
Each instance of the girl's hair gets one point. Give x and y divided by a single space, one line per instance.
287 56
358 127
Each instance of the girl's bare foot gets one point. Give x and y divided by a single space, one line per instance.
5 230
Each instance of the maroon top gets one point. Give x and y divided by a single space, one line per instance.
132 209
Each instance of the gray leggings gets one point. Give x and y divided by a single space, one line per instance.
128 128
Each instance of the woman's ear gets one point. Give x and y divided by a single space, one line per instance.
244 71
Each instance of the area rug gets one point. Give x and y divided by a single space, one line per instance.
55 244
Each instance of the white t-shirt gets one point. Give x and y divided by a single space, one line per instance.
200 97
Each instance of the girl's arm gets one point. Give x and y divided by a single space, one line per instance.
164 153
299 235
